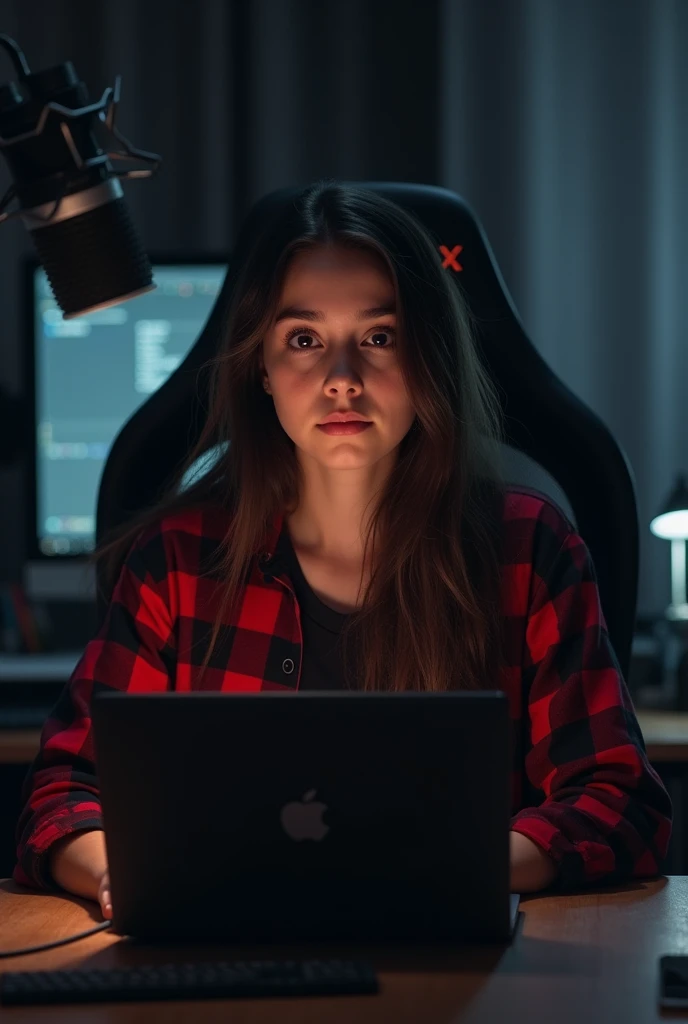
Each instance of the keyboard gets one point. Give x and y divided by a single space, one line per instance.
216 980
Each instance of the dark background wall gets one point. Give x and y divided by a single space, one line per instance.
564 125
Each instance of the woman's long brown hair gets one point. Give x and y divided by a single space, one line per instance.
430 618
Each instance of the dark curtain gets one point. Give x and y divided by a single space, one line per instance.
563 124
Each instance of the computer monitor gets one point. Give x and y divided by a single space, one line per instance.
88 376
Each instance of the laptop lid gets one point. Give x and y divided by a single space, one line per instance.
297 816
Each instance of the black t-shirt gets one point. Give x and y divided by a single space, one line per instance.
322 667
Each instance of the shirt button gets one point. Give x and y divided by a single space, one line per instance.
288 666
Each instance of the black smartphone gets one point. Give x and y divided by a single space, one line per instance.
673 982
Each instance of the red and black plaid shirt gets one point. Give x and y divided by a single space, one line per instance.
582 787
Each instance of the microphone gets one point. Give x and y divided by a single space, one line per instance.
69 194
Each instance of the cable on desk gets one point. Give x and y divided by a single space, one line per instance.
58 942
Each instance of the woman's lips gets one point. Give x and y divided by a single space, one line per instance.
353 427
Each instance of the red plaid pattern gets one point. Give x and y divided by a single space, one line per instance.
582 787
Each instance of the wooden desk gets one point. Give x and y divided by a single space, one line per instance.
588 957
665 732
19 746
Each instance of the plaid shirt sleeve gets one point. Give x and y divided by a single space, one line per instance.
604 812
132 651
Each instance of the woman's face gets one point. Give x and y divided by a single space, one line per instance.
336 362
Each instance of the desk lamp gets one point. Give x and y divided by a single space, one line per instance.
672 524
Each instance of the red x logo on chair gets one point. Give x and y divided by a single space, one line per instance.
450 257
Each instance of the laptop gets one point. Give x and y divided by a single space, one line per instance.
321 815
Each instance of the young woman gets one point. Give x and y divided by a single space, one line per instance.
387 555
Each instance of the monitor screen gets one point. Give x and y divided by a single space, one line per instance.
91 374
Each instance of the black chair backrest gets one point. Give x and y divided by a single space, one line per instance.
555 443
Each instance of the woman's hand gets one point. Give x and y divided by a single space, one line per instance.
531 868
78 863
104 897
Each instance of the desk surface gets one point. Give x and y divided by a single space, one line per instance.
588 957
665 733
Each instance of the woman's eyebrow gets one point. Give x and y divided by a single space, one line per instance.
295 313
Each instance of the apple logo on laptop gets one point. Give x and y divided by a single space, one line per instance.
302 819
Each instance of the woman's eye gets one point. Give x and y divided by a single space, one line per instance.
300 333
382 334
